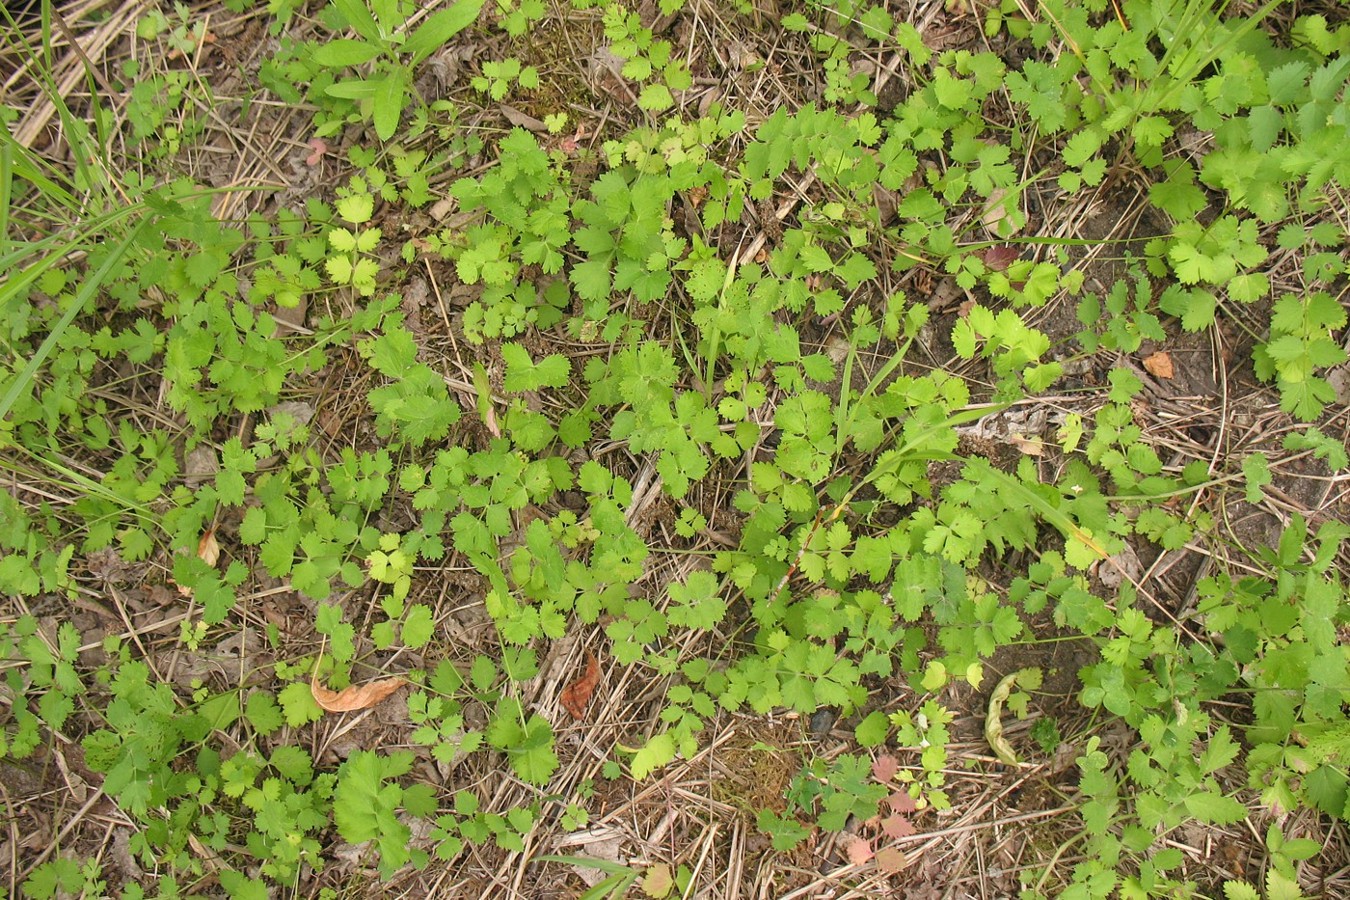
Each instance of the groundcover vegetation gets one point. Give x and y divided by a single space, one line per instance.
678 449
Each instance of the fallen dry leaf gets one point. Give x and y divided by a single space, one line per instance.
884 768
891 860
1028 446
578 693
658 881
859 850
600 844
208 548
902 802
1159 365
355 697
522 119
999 257
897 826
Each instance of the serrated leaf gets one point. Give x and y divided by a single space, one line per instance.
1214 808
356 208
299 705
658 882
523 374
897 826
859 850
418 626
262 712
964 338
872 731
533 759
891 860
1280 886
1239 890
1257 472
656 753
655 97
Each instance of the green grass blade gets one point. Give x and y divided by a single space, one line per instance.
88 289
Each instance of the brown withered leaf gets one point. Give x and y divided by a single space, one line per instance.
999 257
902 802
208 548
578 692
884 768
355 697
522 119
859 850
897 826
1159 364
891 860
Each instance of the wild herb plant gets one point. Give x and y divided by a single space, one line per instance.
391 48
609 307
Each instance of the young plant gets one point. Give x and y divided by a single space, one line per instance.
497 78
385 41
366 804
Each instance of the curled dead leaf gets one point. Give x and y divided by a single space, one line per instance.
355 697
1159 364
578 692
993 723
208 549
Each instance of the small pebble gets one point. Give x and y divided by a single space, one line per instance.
822 721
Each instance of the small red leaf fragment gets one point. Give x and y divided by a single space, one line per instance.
897 826
578 693
859 850
1159 365
320 147
884 768
901 802
891 860
571 144
999 257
